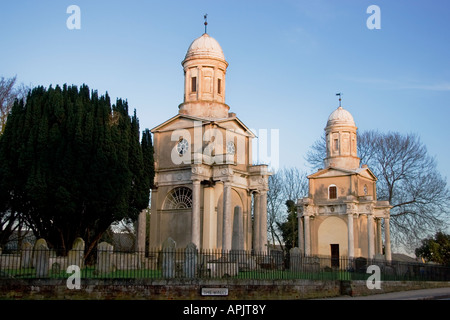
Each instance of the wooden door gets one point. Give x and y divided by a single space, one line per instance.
335 255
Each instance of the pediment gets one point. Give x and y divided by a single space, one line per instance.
184 122
367 173
336 172
235 125
176 122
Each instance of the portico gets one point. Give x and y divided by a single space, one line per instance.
341 214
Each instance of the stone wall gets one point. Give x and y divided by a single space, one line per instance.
359 288
140 289
176 289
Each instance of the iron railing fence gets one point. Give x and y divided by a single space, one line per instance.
192 263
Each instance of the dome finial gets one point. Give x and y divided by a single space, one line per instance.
339 94
206 20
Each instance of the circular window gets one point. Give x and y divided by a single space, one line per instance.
182 147
231 148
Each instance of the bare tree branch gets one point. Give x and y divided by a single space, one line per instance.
285 184
8 94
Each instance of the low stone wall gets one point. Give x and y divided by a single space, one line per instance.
359 288
177 289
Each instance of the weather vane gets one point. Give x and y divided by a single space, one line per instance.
206 20
339 94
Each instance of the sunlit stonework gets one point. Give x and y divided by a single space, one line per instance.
341 215
208 191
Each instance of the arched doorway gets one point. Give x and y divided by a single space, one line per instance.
333 238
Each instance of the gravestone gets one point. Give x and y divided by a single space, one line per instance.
168 258
26 254
237 242
76 254
38 243
361 264
42 258
295 260
190 260
278 258
222 268
104 258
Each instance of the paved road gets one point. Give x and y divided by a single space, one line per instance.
422 294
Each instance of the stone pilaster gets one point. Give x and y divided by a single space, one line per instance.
195 226
226 226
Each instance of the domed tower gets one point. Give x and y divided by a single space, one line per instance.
341 216
341 140
204 80
207 190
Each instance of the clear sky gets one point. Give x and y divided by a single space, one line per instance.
287 60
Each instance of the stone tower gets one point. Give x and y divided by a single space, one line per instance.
341 215
340 135
207 192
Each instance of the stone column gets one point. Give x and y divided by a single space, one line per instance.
307 236
195 226
379 247
387 240
301 236
226 226
209 219
154 236
248 225
256 222
351 243
263 222
371 250
238 229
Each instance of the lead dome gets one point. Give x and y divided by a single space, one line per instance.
205 46
340 116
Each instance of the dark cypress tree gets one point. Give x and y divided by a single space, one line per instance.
71 164
148 158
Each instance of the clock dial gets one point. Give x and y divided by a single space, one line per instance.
182 147
231 149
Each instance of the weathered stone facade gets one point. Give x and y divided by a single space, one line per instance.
341 215
205 179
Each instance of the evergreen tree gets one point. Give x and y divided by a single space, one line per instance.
289 228
435 249
71 164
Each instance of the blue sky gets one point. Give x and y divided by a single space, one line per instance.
287 60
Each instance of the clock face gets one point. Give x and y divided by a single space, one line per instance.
231 149
182 147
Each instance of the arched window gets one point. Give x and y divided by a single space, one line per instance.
178 198
332 192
